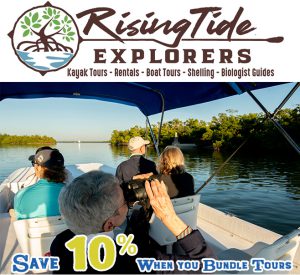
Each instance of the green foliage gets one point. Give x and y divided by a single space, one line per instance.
122 137
225 131
6 139
188 131
55 20
30 21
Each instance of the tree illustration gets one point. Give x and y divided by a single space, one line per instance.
48 26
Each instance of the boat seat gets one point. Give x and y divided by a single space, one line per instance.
186 208
36 235
282 249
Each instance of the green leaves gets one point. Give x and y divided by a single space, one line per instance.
30 21
25 33
35 17
50 21
36 26
27 20
51 13
26 26
69 37
69 34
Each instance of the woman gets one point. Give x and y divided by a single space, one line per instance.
172 172
41 199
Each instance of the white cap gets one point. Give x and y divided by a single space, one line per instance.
137 142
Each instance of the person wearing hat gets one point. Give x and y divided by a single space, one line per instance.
41 199
32 179
137 164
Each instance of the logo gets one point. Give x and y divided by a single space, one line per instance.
45 38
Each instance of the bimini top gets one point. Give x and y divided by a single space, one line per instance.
150 97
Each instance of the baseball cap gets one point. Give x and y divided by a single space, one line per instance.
31 158
50 158
137 142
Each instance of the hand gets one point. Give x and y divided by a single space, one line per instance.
12 214
142 176
163 207
159 199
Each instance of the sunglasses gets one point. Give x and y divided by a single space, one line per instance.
33 163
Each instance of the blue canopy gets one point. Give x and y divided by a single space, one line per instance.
147 96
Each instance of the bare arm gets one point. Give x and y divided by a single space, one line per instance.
142 176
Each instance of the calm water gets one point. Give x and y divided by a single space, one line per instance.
262 190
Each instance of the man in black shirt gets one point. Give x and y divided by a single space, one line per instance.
137 163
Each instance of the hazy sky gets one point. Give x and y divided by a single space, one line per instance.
82 119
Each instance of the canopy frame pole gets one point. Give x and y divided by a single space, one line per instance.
153 136
146 134
286 99
274 121
162 114
156 141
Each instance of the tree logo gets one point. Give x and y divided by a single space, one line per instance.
45 38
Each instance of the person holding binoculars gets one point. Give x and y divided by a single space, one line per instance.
94 203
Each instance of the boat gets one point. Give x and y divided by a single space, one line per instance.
229 236
184 146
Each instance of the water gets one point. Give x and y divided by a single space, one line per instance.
262 190
45 61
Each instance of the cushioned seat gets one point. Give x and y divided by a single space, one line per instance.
36 235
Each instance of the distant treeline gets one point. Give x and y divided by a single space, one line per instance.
6 139
225 131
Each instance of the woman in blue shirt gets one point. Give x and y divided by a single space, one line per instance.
41 199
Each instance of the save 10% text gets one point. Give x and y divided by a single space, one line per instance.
84 251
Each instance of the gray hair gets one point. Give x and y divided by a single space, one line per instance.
89 201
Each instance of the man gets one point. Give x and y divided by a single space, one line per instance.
94 203
136 164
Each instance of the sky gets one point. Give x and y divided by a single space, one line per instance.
92 120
